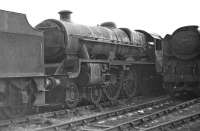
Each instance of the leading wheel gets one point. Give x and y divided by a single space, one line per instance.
130 83
72 96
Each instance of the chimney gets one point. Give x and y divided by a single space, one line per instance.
65 15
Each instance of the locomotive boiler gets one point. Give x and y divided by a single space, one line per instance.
180 61
100 60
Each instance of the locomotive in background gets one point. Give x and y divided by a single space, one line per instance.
62 62
178 60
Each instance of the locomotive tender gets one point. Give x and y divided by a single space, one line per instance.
62 62
178 61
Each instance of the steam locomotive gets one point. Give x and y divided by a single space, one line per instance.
62 62
178 61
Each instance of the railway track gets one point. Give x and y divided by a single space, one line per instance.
72 113
49 110
159 114
56 108
127 118
177 123
162 120
59 123
189 123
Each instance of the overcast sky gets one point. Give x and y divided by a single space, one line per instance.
158 16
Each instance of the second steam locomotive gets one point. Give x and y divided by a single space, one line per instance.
179 61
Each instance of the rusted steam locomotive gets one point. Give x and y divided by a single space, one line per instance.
62 62
178 61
